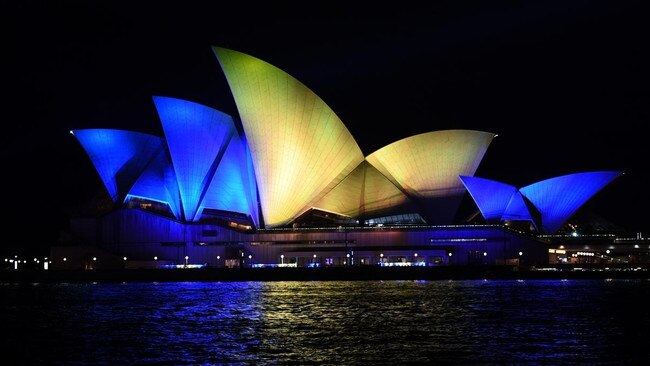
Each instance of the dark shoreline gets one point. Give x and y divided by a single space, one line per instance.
317 274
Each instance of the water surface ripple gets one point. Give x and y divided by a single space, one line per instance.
594 322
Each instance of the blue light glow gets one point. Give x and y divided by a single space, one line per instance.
119 156
197 137
559 198
158 183
491 197
517 209
229 187
252 184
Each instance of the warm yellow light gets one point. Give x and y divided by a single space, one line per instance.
365 191
428 164
300 148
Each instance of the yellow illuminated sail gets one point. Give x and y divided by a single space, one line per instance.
365 192
427 167
428 164
300 148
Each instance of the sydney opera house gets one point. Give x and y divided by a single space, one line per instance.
284 183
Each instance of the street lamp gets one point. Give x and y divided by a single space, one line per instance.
187 258
314 260
282 258
521 253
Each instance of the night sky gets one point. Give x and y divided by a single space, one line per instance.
565 85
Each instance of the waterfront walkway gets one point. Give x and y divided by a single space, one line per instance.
322 274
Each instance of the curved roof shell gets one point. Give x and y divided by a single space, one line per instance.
364 193
427 166
119 156
557 199
158 183
233 187
300 148
197 137
548 204
491 197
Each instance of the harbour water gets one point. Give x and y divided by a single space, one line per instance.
490 322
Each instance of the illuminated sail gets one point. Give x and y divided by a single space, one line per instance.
300 148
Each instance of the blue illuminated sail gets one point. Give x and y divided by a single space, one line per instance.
229 189
197 137
491 197
158 183
118 156
557 199
517 209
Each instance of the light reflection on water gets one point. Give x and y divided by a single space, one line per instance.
338 323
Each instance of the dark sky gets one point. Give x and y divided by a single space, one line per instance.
565 84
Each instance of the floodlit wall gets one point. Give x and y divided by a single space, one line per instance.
141 236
